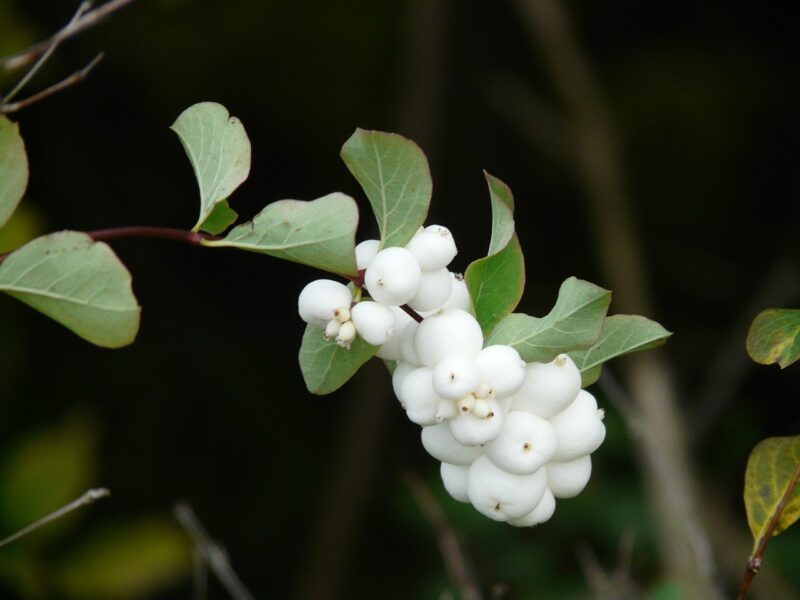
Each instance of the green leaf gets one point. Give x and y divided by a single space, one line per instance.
131 559
320 233
496 282
394 175
574 323
326 366
622 334
13 168
45 471
79 283
774 337
769 473
222 217
219 150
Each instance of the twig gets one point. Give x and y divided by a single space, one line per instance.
73 79
90 19
199 575
214 556
455 559
411 313
87 498
51 47
755 562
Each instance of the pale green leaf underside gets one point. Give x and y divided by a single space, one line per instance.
502 213
769 472
774 337
219 150
77 282
325 365
495 284
622 334
394 174
13 168
320 233
574 323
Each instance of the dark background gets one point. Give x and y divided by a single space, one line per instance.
308 493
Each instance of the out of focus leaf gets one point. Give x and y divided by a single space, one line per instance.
667 590
222 217
770 469
320 233
13 168
128 560
24 225
774 337
44 472
574 323
78 282
622 334
496 282
219 150
395 176
325 365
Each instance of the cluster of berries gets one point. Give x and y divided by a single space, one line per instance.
512 437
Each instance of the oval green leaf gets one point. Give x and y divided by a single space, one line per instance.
394 174
325 365
774 337
769 474
502 213
320 233
574 323
622 334
78 282
219 150
13 168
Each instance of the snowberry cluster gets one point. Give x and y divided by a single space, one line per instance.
512 437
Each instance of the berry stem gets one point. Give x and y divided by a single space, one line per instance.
412 313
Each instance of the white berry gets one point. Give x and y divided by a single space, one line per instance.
502 369
579 429
526 443
320 299
455 377
455 479
441 445
459 294
433 291
346 335
548 388
501 495
470 430
391 349
419 397
365 252
407 347
567 479
543 511
393 276
400 372
374 322
450 332
433 247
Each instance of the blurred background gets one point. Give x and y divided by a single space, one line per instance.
652 150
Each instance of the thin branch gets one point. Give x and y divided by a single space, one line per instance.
88 498
214 556
411 313
458 566
199 575
51 47
755 562
90 19
73 79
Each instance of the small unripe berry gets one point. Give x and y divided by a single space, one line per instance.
567 479
433 247
346 335
501 495
455 478
502 368
374 322
332 329
579 428
393 276
455 377
548 388
365 252
525 444
450 332
441 445
543 511
471 430
419 397
320 298
434 290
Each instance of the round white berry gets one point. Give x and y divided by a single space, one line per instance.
441 445
391 349
567 479
455 478
450 332
446 410
579 428
548 388
471 430
501 495
455 377
407 347
320 299
419 397
365 252
501 368
433 247
526 443
459 294
393 276
433 291
543 511
374 322
400 372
